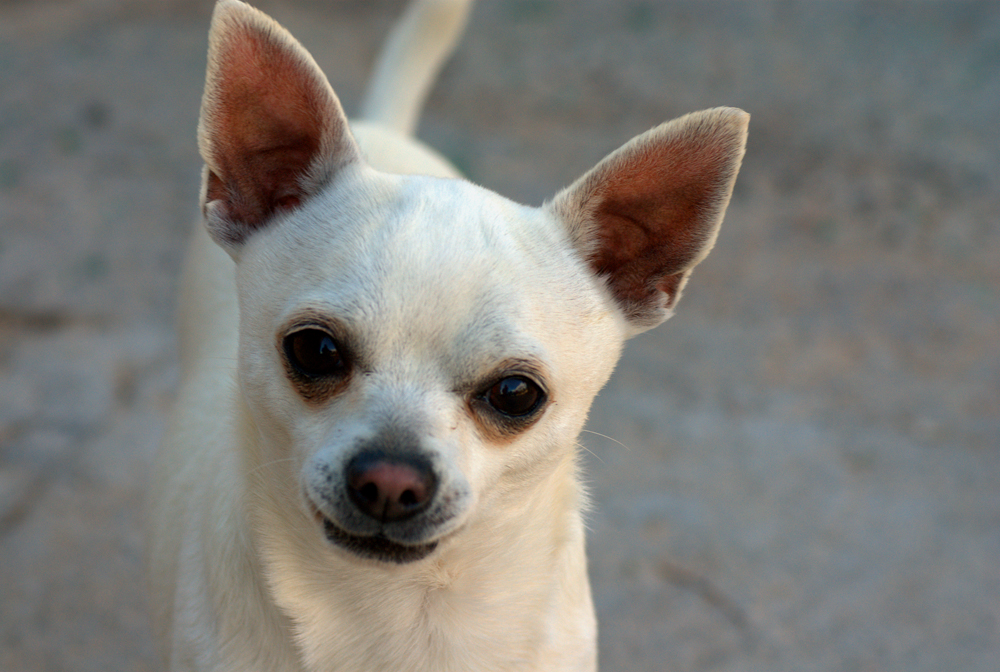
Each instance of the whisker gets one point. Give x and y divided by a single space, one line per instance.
605 436
259 467
583 447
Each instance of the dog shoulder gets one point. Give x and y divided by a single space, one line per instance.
392 152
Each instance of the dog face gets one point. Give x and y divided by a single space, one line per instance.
413 345
415 352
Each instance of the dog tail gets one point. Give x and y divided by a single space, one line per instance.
410 61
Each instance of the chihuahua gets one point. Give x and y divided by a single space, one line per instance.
373 461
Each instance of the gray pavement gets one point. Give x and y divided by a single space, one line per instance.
801 471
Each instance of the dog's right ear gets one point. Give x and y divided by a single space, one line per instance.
271 132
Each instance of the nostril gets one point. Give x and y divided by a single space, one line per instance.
369 492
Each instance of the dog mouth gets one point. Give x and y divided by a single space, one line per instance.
375 547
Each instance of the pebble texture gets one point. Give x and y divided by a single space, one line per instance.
801 471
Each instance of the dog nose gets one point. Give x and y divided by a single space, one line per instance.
390 488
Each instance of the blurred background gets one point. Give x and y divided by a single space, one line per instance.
800 471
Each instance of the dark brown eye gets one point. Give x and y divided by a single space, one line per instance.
314 353
515 396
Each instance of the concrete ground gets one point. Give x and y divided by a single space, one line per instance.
801 471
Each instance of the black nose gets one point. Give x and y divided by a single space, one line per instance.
390 487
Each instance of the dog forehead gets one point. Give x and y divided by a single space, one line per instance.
407 261
422 242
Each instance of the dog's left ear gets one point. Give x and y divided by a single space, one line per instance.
647 214
271 132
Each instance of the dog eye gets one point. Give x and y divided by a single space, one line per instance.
515 396
314 353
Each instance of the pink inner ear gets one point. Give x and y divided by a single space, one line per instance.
657 210
267 111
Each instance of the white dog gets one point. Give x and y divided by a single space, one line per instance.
373 462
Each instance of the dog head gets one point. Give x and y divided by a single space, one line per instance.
417 351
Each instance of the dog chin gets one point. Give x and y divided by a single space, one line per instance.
376 547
